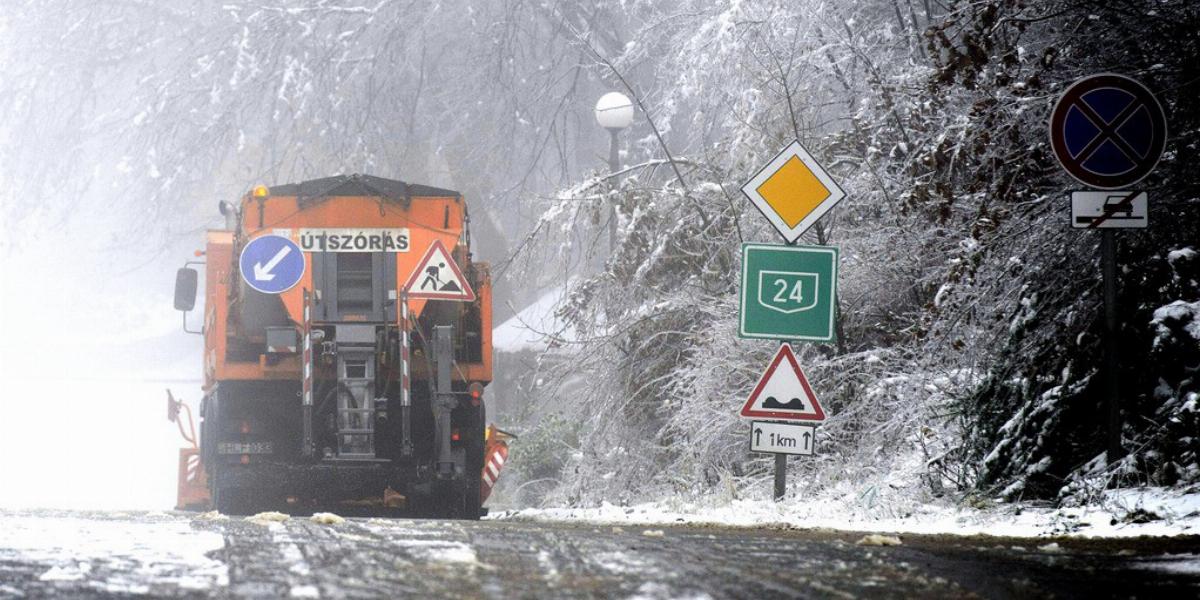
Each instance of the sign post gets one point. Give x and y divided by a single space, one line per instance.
780 477
1108 132
783 395
788 293
1108 261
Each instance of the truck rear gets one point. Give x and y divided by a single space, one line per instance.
347 343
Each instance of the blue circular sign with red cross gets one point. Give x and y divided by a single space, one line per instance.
1108 131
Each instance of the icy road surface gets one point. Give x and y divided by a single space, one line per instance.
103 555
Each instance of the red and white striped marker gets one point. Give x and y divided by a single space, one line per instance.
307 349
405 400
193 468
497 454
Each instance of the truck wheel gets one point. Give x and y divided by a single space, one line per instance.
225 500
236 501
471 505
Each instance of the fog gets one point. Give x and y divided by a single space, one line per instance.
91 343
121 127
968 322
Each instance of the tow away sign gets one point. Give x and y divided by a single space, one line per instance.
1109 210
782 438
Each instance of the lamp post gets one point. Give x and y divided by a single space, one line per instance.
614 112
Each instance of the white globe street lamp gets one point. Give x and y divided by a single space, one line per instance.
614 112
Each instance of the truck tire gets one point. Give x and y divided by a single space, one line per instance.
471 504
242 501
227 501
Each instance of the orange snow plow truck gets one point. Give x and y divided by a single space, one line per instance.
347 343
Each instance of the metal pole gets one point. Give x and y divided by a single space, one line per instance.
780 476
444 400
306 400
1108 268
614 165
406 445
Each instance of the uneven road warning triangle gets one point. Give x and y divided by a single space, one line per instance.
437 277
783 392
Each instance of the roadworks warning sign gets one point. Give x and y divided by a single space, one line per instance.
437 277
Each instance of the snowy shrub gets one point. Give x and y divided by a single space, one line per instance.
537 458
1037 421
968 354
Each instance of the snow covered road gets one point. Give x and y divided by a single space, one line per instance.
101 555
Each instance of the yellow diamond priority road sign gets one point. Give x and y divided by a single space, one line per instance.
793 191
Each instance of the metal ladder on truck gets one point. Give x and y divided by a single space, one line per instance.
356 393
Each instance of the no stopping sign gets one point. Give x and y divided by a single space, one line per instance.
1108 131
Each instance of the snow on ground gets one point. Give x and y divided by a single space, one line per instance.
425 543
1122 513
115 555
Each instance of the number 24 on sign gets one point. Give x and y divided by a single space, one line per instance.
790 289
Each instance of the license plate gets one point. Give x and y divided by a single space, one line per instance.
245 448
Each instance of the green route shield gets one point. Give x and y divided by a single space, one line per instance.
788 292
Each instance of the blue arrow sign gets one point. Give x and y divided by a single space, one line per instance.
271 264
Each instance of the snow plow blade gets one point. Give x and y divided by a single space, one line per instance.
494 454
192 488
